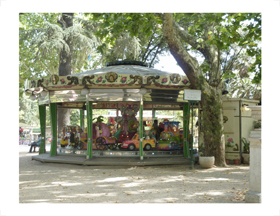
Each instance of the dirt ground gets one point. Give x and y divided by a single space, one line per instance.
65 183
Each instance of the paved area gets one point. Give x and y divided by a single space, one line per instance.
67 183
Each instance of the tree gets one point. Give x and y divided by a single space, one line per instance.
29 112
220 39
53 44
240 82
75 117
133 36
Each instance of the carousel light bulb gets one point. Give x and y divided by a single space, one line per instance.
32 97
143 91
44 94
84 91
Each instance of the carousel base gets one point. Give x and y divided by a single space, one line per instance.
121 153
80 159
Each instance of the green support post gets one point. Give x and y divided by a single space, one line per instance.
42 114
192 162
141 129
53 114
186 126
82 119
153 114
89 129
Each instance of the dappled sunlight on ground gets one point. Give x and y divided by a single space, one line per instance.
113 179
66 183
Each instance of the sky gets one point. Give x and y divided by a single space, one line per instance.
169 64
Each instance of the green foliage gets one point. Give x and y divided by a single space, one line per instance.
243 87
75 117
232 35
41 41
246 145
228 144
257 124
98 119
28 111
232 39
134 36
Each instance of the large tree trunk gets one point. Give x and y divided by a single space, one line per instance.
211 136
63 115
211 121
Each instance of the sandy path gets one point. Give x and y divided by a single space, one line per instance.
65 183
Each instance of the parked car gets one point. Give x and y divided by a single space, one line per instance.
133 144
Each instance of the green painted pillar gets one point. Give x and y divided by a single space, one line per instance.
186 125
192 162
42 114
153 114
53 115
89 129
141 129
82 119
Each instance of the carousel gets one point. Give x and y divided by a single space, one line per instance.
128 87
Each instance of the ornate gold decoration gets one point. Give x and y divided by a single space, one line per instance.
175 78
152 79
73 80
40 83
135 78
87 79
111 76
54 79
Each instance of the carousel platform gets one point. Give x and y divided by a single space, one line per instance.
80 159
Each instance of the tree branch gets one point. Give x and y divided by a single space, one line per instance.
61 22
99 62
47 70
157 51
155 47
204 48
143 57
188 64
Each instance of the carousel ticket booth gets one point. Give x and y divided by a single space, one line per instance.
129 88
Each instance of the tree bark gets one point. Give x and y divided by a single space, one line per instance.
65 58
211 137
63 115
211 133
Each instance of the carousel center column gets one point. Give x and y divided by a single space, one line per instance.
89 129
53 114
42 114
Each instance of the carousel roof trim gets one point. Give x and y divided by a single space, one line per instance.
115 76
126 69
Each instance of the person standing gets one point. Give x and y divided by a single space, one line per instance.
35 144
157 129
20 131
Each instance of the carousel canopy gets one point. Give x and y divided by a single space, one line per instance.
126 80
118 75
120 81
